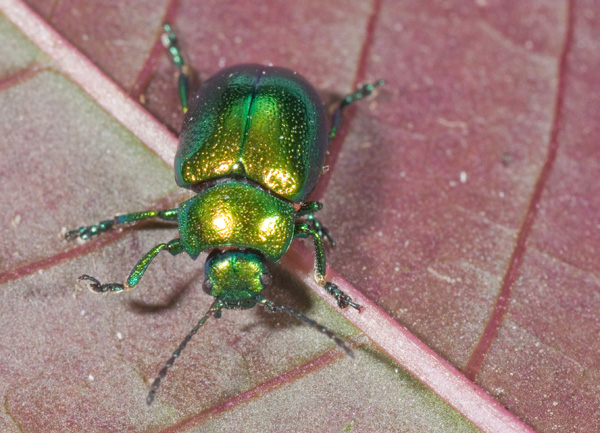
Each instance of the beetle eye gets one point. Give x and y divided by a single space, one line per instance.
207 286
265 279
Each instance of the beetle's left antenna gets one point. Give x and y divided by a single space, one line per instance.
277 307
214 310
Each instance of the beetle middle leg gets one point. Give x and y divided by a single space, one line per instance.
174 247
303 230
320 228
87 232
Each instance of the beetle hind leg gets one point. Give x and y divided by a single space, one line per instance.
361 93
169 41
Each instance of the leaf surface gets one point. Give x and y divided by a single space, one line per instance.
463 198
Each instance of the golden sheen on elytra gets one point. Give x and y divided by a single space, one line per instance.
265 124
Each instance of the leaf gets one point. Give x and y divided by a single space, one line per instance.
462 198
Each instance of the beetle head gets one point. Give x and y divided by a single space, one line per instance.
235 277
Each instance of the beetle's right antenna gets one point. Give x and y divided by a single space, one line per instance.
277 307
214 310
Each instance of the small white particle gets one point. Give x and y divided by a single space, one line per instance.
164 40
82 312
119 336
396 269
501 194
91 378
281 137
15 221
463 177
222 62
554 403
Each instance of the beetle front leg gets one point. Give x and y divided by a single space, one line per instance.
87 232
174 247
303 230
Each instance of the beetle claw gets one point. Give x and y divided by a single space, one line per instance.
342 299
95 286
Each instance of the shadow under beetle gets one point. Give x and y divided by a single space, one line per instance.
252 147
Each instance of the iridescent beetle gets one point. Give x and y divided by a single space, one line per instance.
252 148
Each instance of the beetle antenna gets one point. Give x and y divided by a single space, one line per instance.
271 306
214 310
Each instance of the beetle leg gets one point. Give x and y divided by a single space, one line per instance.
309 208
361 93
169 41
87 232
174 247
343 299
303 230
320 228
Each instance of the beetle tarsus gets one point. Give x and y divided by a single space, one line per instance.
95 286
86 232
342 299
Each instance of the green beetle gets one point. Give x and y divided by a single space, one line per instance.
252 148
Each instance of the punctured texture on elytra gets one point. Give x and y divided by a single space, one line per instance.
264 123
